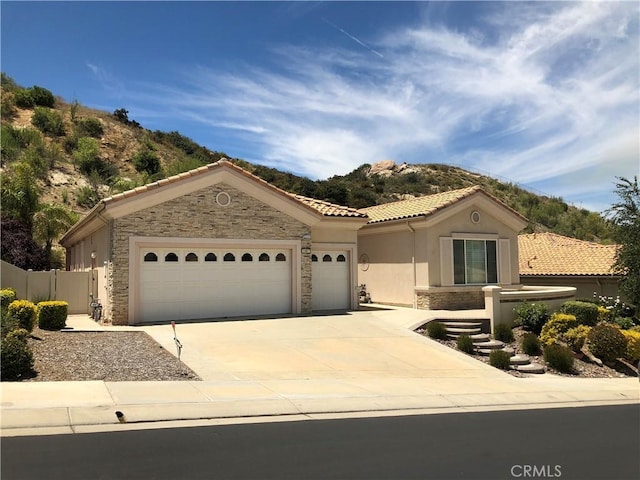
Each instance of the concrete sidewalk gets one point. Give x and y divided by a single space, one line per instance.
363 362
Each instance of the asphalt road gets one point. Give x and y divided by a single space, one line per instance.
573 443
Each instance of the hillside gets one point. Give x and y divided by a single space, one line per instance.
78 155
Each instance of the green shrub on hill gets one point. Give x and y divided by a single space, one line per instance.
48 122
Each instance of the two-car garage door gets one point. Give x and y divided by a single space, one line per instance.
184 283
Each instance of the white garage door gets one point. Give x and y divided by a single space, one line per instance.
330 274
180 284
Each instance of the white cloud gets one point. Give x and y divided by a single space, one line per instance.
555 91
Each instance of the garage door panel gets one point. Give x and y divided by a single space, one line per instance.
212 289
331 284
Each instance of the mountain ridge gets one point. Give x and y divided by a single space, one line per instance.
88 154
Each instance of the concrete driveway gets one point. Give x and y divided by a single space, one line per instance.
363 345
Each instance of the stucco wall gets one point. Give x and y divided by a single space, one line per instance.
461 223
389 272
197 215
585 286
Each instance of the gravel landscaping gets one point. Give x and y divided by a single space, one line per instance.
581 367
107 356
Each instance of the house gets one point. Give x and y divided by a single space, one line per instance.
215 242
551 259
438 251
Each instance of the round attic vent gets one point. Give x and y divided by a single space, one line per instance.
223 199
475 216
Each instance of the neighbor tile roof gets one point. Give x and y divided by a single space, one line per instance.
423 206
552 254
324 208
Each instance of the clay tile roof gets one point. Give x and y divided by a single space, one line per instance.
328 209
417 207
324 208
552 254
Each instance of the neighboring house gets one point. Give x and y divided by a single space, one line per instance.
215 242
551 259
438 251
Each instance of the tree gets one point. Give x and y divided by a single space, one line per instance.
49 223
19 193
625 216
18 247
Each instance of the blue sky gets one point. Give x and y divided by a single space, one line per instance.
543 94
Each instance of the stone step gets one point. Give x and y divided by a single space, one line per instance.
487 351
463 330
530 368
520 359
480 338
462 324
493 344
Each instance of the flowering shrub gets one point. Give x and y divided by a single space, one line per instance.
614 306
576 336
633 345
558 324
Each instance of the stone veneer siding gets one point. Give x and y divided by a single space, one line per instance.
197 215
461 300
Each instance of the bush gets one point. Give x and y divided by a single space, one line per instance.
557 325
87 156
16 356
632 352
586 313
90 127
7 295
87 197
48 121
503 333
24 312
575 337
146 161
7 107
52 315
8 324
465 344
559 357
603 314
500 359
437 330
623 322
42 97
23 98
606 342
531 344
532 316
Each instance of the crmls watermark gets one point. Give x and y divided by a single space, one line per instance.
536 471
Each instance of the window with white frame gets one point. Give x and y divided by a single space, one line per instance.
475 262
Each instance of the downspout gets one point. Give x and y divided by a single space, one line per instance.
413 262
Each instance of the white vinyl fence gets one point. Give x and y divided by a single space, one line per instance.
71 287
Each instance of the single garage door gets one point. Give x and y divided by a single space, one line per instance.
331 286
180 284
